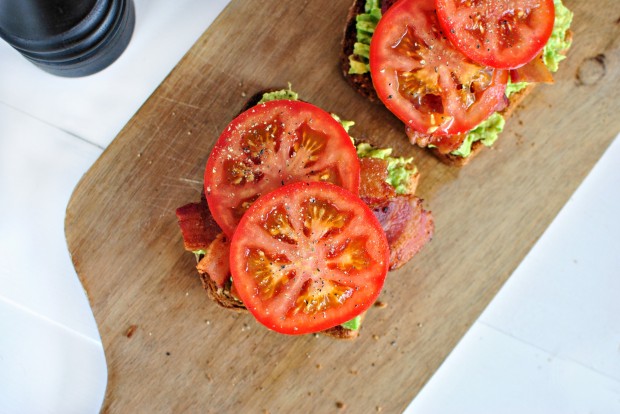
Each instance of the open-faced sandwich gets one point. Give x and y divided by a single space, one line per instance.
298 224
451 70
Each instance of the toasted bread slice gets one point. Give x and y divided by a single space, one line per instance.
362 83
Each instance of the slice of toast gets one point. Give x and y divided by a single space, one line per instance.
362 83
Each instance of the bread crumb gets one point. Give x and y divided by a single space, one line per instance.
378 408
318 366
130 331
375 337
381 305
420 324
340 404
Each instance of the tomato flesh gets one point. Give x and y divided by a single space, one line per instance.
271 145
424 80
307 257
504 34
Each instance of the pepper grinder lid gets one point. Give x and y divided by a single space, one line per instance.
68 37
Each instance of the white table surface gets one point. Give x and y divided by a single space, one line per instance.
548 343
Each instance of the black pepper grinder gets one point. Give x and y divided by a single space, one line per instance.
68 37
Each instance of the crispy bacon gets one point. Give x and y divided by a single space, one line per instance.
408 227
197 225
534 72
444 143
373 173
216 263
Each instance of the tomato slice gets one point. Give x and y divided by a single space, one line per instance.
271 145
307 257
504 34
423 80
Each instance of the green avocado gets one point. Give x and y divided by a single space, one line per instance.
280 94
365 23
558 42
400 169
354 324
487 132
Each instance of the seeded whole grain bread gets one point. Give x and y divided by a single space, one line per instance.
362 83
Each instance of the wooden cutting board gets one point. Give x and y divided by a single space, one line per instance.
169 349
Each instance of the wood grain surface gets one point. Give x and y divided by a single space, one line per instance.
169 349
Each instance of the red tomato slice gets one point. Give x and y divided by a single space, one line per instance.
307 257
271 145
423 80
503 34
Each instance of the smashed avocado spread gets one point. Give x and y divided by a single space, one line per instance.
365 24
486 132
558 42
354 324
280 94
399 169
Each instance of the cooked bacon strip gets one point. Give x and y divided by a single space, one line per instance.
216 263
445 143
197 225
373 173
408 227
534 72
